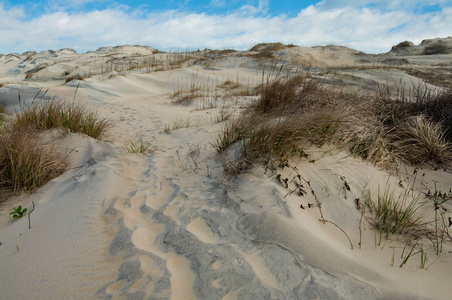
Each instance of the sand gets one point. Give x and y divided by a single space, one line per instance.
170 224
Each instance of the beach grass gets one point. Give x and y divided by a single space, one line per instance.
392 214
137 147
25 162
295 111
61 115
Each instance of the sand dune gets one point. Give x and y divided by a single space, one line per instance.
170 224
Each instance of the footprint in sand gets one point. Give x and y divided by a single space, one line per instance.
202 231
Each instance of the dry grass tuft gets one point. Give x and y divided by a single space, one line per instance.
26 164
419 140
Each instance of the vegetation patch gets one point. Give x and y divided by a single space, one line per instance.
294 111
393 214
59 114
437 48
25 162
137 147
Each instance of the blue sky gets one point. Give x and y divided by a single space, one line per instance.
84 25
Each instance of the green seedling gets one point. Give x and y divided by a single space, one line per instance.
409 255
18 212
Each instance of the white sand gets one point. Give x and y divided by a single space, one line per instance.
170 224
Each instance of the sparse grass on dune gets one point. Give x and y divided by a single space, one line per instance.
292 112
393 214
137 147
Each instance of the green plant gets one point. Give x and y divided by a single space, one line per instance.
18 212
394 214
166 128
137 147
177 124
409 254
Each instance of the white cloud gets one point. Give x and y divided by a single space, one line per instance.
56 5
367 29
261 8
218 3
382 4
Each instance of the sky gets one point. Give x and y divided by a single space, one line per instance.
85 25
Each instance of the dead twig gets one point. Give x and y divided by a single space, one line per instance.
29 222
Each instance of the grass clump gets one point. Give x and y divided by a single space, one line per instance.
66 117
177 124
137 147
420 140
394 214
25 163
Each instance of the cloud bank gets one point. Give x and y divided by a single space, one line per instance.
370 28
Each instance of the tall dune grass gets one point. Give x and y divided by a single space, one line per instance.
25 163
59 114
295 111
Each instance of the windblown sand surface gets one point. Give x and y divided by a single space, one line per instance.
170 224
